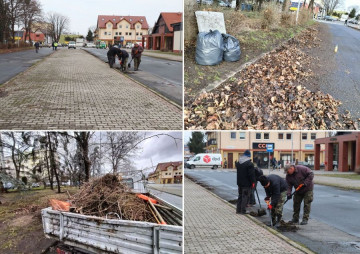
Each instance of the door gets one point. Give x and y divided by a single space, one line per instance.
230 160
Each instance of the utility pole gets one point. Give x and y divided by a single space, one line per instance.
292 148
297 11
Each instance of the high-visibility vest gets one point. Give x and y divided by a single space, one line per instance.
55 44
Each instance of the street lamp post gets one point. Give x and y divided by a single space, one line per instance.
297 12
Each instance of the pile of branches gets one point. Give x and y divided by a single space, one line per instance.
269 94
107 195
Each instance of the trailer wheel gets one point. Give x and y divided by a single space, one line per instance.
215 167
192 166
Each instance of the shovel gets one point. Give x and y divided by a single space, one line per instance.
261 211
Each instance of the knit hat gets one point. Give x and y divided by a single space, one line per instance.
247 153
263 180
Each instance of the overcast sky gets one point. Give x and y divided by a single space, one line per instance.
153 150
348 3
83 13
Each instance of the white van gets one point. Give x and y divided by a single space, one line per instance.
212 160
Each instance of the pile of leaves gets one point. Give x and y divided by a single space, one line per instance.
270 94
107 195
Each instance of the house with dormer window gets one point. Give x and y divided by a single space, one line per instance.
121 29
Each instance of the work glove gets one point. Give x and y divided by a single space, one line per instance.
289 197
299 187
253 185
270 207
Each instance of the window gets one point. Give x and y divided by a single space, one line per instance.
141 20
130 33
127 26
113 19
233 135
126 33
197 158
138 26
120 33
116 33
304 136
109 25
281 136
258 135
120 26
313 136
137 33
242 135
109 33
266 135
105 33
130 20
141 33
288 136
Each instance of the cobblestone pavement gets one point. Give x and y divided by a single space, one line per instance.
73 90
212 226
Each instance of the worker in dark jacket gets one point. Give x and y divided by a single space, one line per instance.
275 188
123 60
301 178
136 55
245 181
113 51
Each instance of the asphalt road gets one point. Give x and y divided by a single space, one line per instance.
11 64
334 224
163 76
344 82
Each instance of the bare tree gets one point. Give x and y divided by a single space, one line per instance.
83 142
330 5
30 13
285 6
19 144
58 24
121 145
14 9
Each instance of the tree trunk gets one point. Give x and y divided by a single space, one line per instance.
53 163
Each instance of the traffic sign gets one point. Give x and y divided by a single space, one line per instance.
269 148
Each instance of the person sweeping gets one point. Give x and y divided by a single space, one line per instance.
275 188
136 52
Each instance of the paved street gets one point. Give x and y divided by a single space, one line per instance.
212 226
343 82
332 228
72 90
164 76
12 64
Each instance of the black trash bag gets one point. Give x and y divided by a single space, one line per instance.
209 48
232 50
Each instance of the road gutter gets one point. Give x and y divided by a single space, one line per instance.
274 232
139 83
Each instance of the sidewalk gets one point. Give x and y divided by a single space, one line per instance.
73 90
212 226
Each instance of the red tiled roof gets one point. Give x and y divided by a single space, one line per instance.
103 19
163 166
171 18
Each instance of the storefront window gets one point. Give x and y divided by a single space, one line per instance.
266 135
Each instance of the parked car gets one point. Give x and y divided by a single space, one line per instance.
90 45
72 44
212 160
101 45
329 18
353 21
35 185
224 4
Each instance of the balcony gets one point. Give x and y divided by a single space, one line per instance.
211 142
